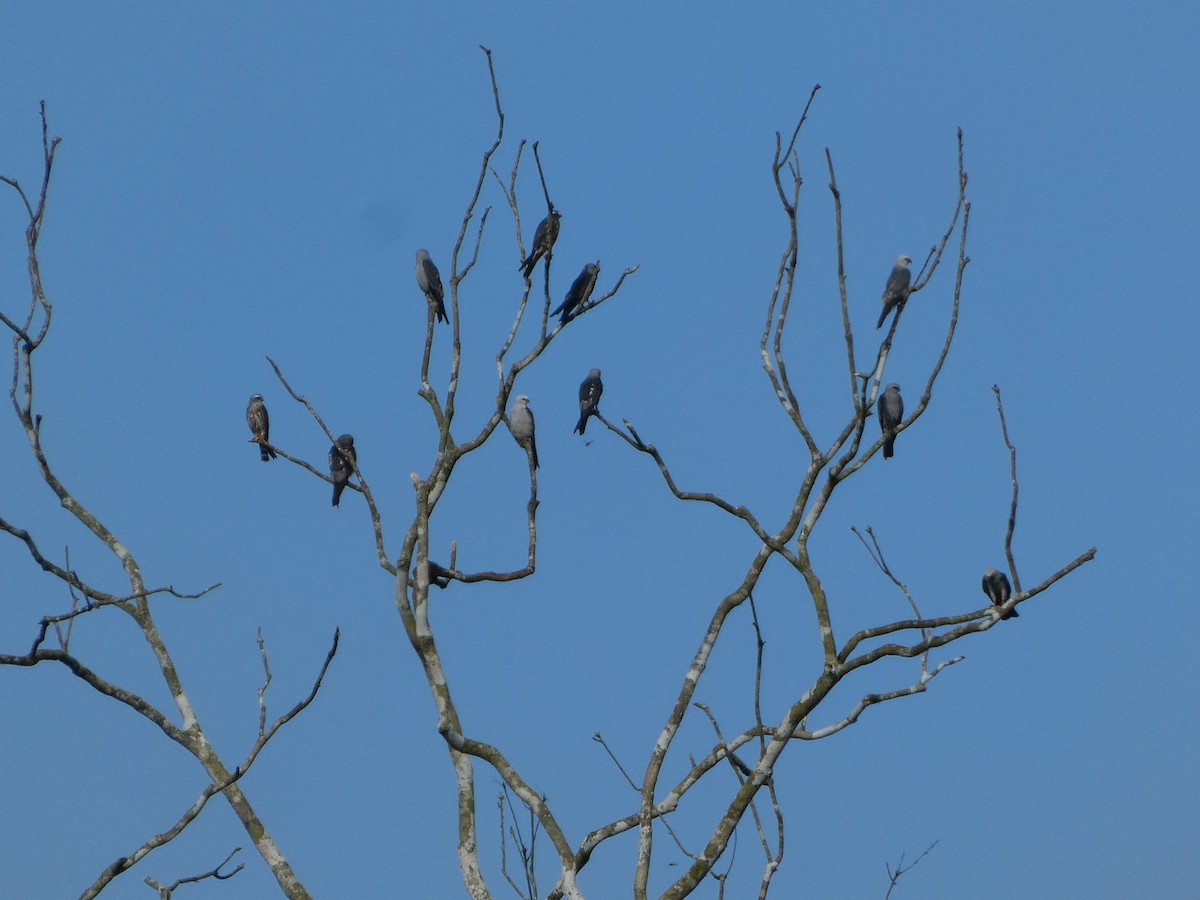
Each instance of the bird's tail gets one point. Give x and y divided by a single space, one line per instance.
888 446
883 318
582 426
266 453
337 493
441 312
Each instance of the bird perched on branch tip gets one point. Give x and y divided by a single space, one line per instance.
896 291
429 280
543 240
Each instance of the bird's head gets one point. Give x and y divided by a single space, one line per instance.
903 260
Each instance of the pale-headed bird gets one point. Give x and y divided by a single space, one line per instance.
429 280
581 289
896 291
520 423
891 414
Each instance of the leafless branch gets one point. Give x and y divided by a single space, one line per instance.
362 487
620 768
873 699
165 891
125 863
526 848
894 874
876 553
785 279
773 860
740 773
1016 489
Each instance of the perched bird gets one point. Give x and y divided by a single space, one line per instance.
998 590
342 457
589 399
896 291
260 426
520 423
891 414
429 280
543 240
581 290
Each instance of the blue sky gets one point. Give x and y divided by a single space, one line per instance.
237 181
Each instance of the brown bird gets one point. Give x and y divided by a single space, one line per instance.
342 457
260 426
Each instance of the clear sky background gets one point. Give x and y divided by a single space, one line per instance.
238 180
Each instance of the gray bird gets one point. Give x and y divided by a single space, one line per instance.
891 414
896 291
998 590
260 426
520 423
543 240
581 290
429 280
589 398
342 456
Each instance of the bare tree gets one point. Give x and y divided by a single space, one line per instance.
29 334
754 746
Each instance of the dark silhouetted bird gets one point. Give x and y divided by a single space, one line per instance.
260 426
896 291
520 423
589 399
342 457
891 413
998 590
581 290
429 280
543 240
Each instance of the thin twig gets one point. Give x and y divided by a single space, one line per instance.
165 891
894 874
1016 489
